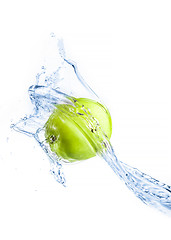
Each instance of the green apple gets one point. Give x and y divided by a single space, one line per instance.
70 135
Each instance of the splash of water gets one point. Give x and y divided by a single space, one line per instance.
54 87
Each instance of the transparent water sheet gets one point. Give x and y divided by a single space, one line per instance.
60 85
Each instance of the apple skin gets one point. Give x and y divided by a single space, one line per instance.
67 133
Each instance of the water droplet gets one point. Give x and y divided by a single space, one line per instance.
52 34
12 125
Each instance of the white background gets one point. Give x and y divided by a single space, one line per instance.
123 50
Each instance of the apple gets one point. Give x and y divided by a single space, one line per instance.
70 135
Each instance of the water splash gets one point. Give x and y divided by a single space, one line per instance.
56 87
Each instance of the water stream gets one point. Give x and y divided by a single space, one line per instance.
61 85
